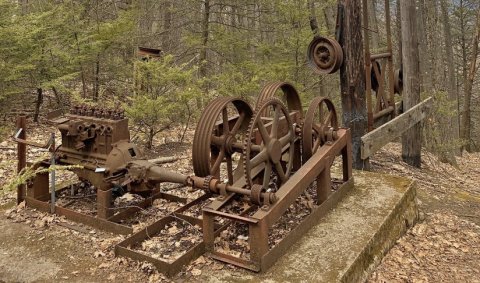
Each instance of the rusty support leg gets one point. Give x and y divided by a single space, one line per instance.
104 203
347 158
324 183
22 155
39 186
208 232
258 241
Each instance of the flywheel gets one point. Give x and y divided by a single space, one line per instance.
219 136
269 143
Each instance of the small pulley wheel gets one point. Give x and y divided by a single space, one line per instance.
320 126
325 55
219 134
269 143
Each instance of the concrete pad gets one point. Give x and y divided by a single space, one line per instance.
345 245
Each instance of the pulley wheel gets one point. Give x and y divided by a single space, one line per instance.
270 138
290 96
325 55
320 126
220 134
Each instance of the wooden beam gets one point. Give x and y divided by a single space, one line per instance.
378 138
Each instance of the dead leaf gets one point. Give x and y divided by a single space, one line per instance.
196 272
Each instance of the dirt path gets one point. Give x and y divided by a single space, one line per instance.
51 253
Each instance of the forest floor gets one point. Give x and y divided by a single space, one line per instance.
444 246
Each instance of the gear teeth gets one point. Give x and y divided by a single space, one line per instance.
206 183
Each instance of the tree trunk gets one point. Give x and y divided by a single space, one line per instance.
466 119
352 79
205 35
97 78
411 139
329 12
425 69
38 104
452 93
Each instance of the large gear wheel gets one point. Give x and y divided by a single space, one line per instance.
315 134
219 134
269 140
289 96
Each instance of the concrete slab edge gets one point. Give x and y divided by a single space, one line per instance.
403 216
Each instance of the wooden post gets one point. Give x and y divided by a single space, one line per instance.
22 155
411 139
352 79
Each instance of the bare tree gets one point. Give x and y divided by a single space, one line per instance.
411 139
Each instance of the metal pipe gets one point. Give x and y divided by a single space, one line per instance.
53 179
381 56
367 68
390 59
384 112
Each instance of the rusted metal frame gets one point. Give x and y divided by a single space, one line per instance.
229 216
145 203
267 216
169 268
95 222
22 155
368 67
293 236
271 256
380 56
302 179
390 59
386 111
347 157
243 263
381 87
371 58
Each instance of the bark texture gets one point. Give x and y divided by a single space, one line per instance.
352 79
411 139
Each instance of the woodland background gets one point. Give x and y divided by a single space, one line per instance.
56 53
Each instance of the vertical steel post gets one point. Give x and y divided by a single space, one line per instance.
53 177
368 67
390 59
21 154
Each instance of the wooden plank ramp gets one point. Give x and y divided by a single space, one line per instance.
378 138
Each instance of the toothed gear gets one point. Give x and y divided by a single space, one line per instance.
206 183
272 154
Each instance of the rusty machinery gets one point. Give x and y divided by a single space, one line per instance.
326 56
375 71
98 140
266 157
